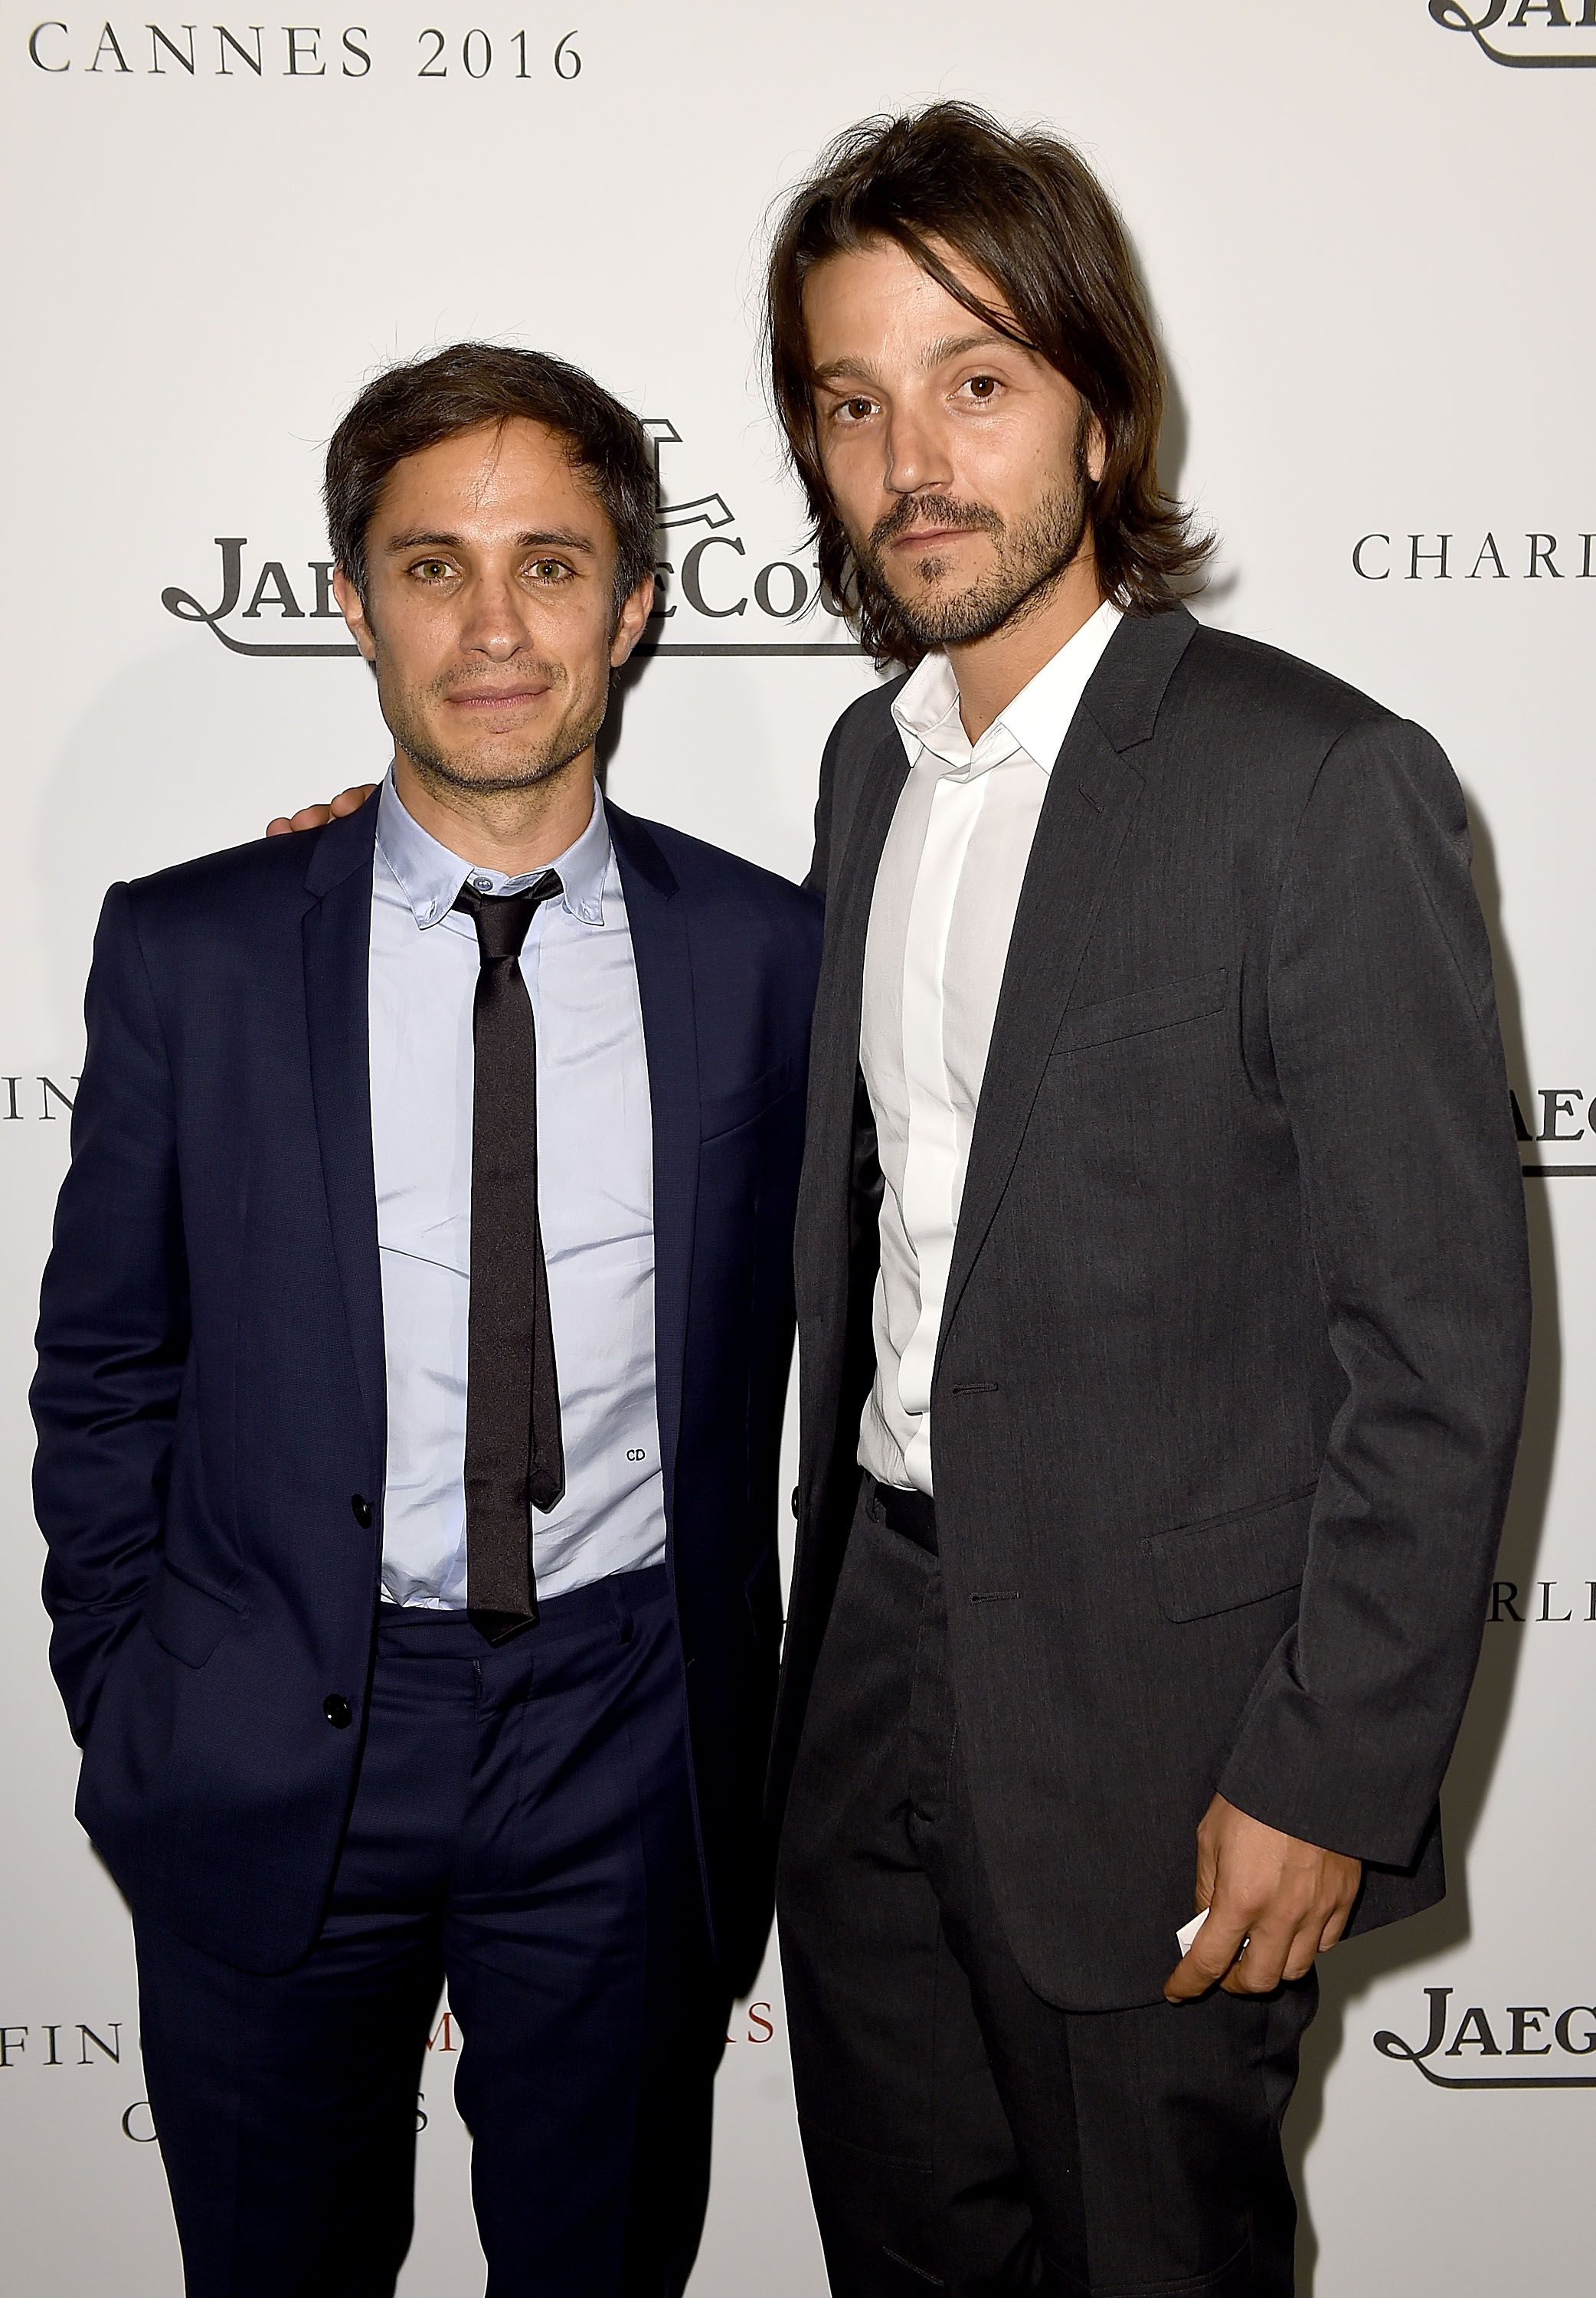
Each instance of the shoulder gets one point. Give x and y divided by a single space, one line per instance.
718 883
865 724
1245 685
236 917
1308 746
244 892
852 747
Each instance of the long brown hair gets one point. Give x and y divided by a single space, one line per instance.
1025 211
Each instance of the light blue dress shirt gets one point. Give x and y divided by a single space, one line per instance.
596 1198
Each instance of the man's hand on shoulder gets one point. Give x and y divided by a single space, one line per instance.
1273 1903
312 817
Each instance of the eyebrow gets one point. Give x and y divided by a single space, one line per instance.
956 346
934 355
558 538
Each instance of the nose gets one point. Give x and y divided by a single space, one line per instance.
917 458
496 620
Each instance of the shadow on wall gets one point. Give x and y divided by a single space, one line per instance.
1174 439
621 687
1347 1976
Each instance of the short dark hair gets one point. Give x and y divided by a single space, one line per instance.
1025 210
423 400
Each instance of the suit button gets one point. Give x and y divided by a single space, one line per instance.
337 1710
795 1493
362 1510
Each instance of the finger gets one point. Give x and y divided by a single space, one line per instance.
281 827
1206 1962
1333 1929
311 817
1305 1946
1257 1970
1208 1866
351 801
1185 1983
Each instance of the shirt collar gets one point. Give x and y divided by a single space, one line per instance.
430 875
1032 726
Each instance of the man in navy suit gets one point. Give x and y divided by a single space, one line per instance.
413 1351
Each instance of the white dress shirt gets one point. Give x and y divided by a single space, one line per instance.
595 1196
940 920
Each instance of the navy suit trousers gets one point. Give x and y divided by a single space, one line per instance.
521 1830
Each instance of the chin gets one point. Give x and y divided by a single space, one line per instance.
474 772
937 610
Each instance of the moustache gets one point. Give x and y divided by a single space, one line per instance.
931 510
511 676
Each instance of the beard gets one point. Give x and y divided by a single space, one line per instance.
1028 559
490 766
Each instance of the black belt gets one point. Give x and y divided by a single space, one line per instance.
911 1514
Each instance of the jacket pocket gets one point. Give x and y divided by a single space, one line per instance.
1199 1570
1142 1009
186 1621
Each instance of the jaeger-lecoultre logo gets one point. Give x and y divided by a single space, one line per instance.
713 593
1539 36
1533 2030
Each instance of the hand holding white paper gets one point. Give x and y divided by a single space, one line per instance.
1188 1931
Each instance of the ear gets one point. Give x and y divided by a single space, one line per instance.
1096 447
633 621
353 614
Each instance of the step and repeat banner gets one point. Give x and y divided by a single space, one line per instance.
1365 226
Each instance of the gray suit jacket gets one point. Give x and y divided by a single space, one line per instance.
1234 1351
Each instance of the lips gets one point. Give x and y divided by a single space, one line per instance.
497 699
930 537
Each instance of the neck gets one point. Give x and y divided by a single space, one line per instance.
513 831
991 671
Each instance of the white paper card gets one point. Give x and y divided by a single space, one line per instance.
1188 1931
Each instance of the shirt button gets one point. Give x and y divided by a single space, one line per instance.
483 885
337 1710
361 1507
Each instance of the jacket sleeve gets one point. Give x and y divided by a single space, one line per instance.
1382 1018
113 1326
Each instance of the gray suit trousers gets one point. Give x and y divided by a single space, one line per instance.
960 2133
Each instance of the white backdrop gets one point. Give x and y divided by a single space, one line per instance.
1366 229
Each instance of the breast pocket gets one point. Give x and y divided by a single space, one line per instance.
1142 1011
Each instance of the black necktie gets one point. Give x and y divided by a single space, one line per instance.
514 1460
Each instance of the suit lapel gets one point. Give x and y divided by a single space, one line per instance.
664 985
834 1053
337 960
1092 793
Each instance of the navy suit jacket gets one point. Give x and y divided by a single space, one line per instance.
210 1397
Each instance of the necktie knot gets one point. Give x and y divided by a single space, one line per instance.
503 920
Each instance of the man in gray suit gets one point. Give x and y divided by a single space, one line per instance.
1160 1275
